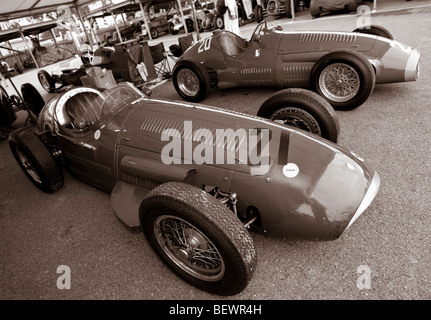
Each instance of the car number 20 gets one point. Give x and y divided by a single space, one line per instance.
205 44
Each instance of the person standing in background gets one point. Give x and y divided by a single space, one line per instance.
248 8
231 22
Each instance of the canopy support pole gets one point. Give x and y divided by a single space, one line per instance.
83 25
147 26
28 48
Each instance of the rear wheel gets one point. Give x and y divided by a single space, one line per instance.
344 78
46 81
172 29
258 13
191 81
154 33
198 238
35 160
7 114
32 98
302 109
18 68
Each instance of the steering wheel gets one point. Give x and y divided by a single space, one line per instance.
262 27
257 31
87 56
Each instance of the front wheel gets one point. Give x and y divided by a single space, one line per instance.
344 78
35 160
191 81
198 238
302 109
46 81
219 22
172 29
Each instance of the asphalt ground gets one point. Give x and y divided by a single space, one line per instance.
76 226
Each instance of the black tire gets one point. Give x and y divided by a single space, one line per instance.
189 25
258 13
7 114
227 258
172 30
191 81
154 33
375 30
32 98
354 81
302 109
219 22
46 81
35 160
18 68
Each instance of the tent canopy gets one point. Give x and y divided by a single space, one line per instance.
34 29
24 8
18 9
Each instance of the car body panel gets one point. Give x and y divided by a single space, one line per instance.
132 149
277 58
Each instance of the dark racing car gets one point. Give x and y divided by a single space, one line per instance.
195 177
343 67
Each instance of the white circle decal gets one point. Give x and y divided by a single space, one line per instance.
97 134
290 170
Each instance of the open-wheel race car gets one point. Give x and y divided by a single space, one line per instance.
121 62
195 177
342 67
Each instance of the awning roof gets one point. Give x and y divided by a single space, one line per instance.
13 9
33 29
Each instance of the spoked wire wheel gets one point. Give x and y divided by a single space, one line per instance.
198 237
345 78
191 81
302 109
339 82
189 248
188 82
298 118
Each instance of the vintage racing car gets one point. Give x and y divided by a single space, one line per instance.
124 60
195 177
343 67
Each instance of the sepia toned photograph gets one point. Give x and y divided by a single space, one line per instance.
228 152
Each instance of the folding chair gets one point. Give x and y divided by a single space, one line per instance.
185 42
160 60
176 50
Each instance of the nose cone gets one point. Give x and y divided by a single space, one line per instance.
324 189
412 67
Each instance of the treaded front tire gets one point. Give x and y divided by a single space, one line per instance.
35 160
302 109
46 81
198 238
